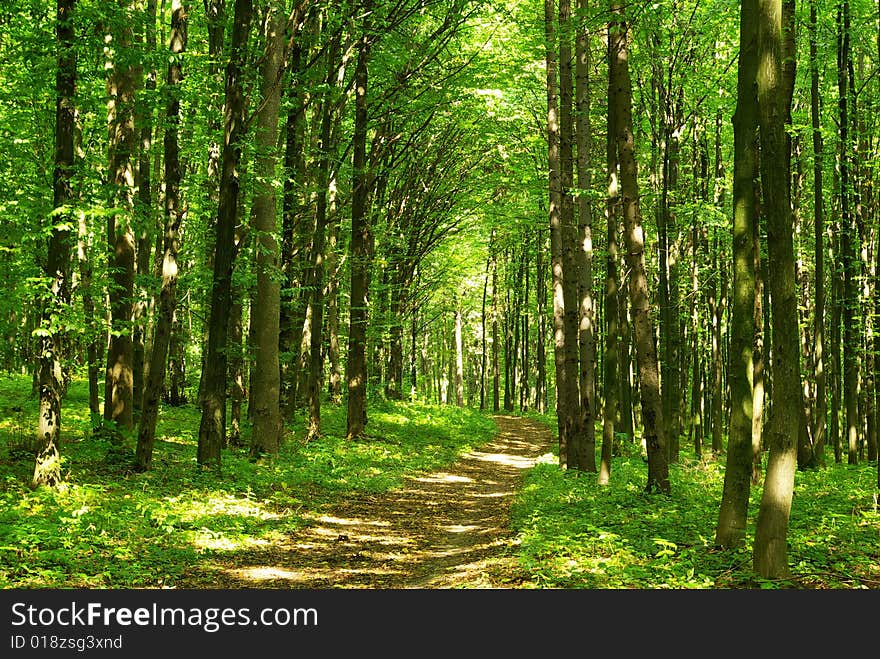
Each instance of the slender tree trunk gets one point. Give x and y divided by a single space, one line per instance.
459 358
570 403
47 467
733 513
540 343
847 243
819 418
612 317
118 393
649 380
356 366
484 357
265 314
212 427
775 85
587 312
155 376
496 370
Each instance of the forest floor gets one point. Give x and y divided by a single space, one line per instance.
448 529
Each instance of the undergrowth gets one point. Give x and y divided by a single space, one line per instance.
574 533
108 526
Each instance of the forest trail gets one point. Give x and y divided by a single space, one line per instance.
448 529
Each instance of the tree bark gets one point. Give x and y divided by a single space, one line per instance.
819 417
265 313
118 387
770 554
586 307
47 467
155 375
212 427
361 240
646 355
612 315
733 513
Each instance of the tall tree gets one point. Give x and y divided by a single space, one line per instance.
119 377
57 270
738 471
587 312
174 213
265 312
361 243
819 418
646 354
775 86
848 239
612 286
212 427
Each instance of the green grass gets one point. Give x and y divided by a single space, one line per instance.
110 527
574 533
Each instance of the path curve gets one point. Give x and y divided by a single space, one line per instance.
448 529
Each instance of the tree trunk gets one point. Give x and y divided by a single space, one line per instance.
821 410
266 383
733 513
155 375
47 467
540 342
848 249
570 403
459 358
212 427
356 366
118 401
587 312
775 85
612 314
646 355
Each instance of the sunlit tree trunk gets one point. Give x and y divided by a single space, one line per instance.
587 312
646 355
733 513
118 392
47 468
155 376
459 358
145 225
775 85
610 364
819 418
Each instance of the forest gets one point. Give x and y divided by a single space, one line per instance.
572 294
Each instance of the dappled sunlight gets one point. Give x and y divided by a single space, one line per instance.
444 528
443 478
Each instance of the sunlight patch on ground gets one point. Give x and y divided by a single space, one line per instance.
327 519
443 477
461 528
223 505
266 573
503 458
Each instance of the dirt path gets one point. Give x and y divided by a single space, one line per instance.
449 529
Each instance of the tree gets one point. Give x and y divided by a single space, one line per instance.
775 84
174 214
57 269
119 378
733 514
649 377
212 428
361 245
266 386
